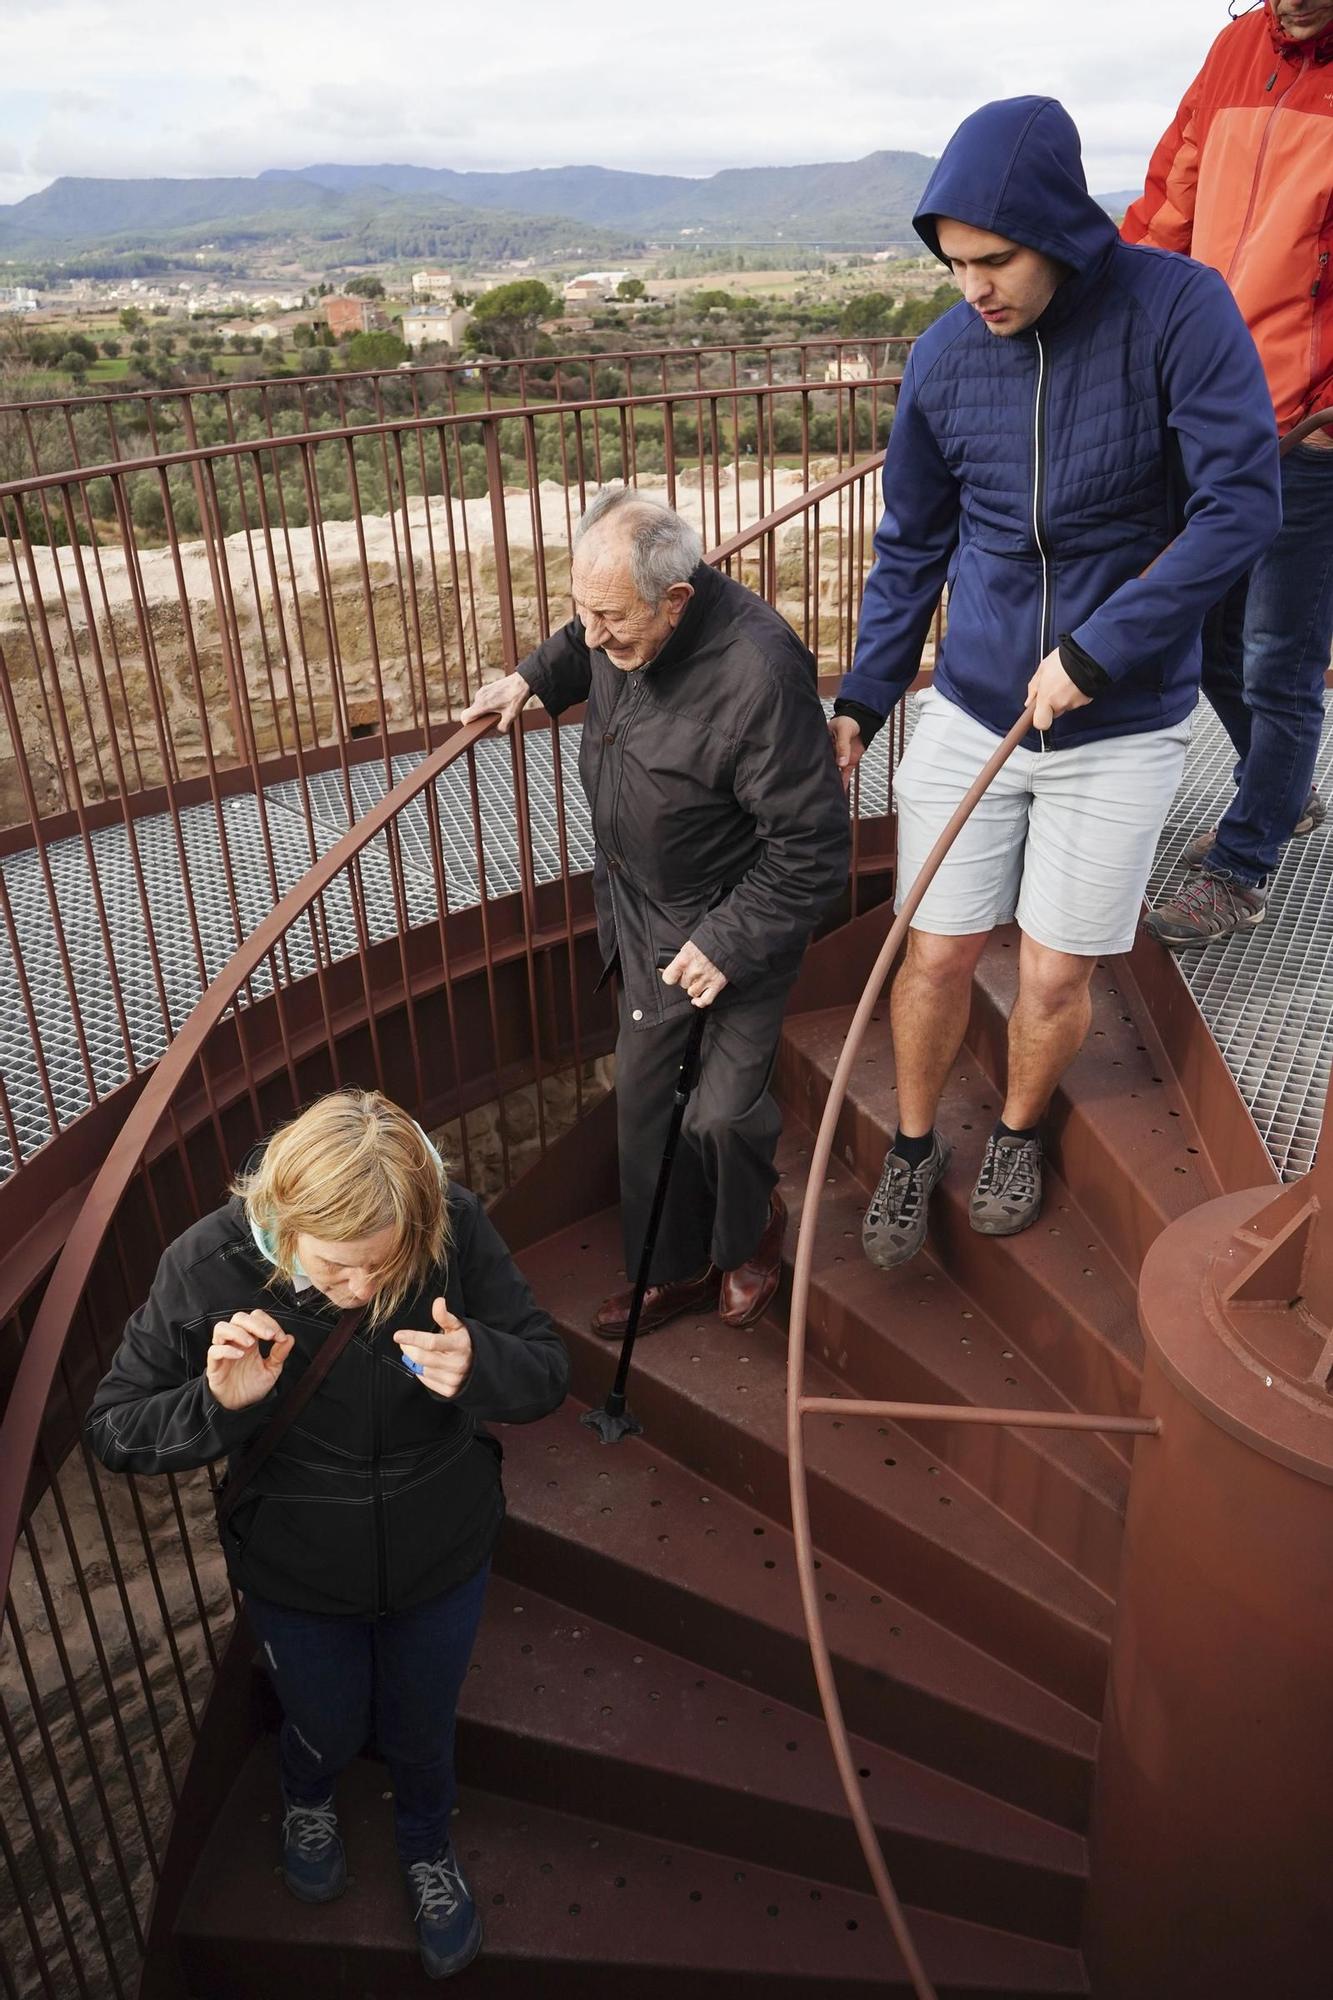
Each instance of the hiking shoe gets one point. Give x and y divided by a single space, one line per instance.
1313 814
1206 908
895 1222
1007 1195
447 1920
314 1866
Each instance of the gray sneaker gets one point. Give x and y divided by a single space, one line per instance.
1206 908
1007 1195
895 1222
1313 814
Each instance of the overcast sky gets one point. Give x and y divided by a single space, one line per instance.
135 87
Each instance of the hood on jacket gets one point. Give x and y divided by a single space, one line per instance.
1015 168
1321 48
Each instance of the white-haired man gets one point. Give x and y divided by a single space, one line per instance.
722 838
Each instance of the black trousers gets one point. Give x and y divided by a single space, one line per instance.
724 1174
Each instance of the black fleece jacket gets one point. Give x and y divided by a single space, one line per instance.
381 1494
714 796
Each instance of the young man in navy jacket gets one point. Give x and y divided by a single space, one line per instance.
1084 452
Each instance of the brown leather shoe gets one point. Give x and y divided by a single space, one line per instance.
747 1290
660 1303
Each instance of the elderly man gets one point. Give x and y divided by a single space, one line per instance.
1243 180
1084 450
722 838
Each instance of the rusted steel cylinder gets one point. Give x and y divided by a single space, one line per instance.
1213 1820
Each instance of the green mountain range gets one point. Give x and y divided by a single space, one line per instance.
847 204
359 215
363 214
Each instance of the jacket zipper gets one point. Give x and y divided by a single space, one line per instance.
1038 494
631 710
377 1487
1315 289
1244 236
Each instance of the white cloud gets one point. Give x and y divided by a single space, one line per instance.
151 87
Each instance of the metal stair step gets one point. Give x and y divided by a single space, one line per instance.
716 1398
1057 1289
572 1906
631 1535
913 1335
559 1707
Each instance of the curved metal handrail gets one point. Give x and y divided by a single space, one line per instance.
41 1356
796 1402
1318 420
800 1406
36 1372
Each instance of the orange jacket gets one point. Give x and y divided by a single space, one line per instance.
1244 181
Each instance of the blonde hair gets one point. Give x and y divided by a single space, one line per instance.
352 1164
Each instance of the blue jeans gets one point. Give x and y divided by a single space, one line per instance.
1265 653
340 1678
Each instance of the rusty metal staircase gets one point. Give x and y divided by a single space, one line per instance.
652 1795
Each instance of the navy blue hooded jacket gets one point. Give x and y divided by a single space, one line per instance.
1103 476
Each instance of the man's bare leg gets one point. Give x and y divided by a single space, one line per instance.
1046 1031
931 1000
1047 1028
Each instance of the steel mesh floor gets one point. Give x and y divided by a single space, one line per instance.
94 1040
1268 996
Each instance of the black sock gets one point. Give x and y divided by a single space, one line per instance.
915 1151
1003 1131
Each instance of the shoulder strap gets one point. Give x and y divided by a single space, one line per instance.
287 1412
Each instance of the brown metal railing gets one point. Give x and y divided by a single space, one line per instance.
800 1406
51 435
117 1604
165 619
166 704
395 959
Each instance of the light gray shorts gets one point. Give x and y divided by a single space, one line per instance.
1063 840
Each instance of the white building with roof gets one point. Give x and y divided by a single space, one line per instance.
428 323
437 285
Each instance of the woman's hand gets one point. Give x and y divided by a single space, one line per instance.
442 1361
237 1372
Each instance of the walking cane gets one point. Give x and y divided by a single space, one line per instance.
613 1421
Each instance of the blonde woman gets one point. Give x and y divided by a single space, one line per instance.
350 1278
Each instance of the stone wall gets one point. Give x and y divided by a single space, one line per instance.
509 1125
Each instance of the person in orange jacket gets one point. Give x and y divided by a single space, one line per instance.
1243 180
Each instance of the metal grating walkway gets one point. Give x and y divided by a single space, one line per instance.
1268 996
187 969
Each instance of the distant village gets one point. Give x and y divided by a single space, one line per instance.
430 309
90 334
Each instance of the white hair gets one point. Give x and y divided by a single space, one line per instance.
663 549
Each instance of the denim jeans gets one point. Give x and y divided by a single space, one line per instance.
340 1679
1265 653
